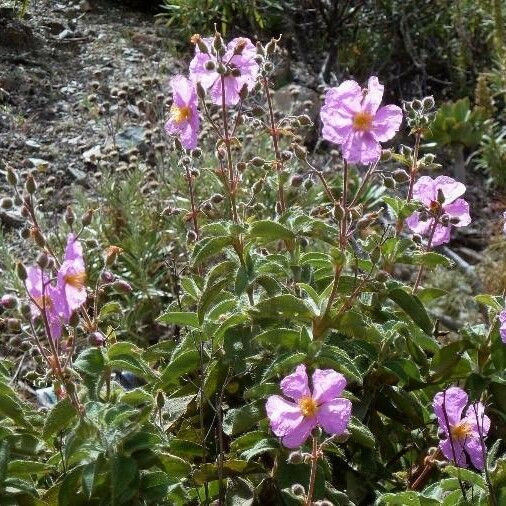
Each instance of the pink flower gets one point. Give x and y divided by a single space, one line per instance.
352 118
426 190
48 298
184 119
502 327
462 437
294 421
72 274
240 64
504 225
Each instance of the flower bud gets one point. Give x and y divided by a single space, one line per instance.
199 42
210 65
107 277
271 46
30 185
308 183
454 220
70 216
217 198
268 66
160 399
236 72
8 301
400 176
196 153
244 92
37 237
428 103
111 254
417 105
6 203
191 236
417 238
300 151
295 457
286 155
87 217
96 339
241 166
201 92
257 161
297 180
445 220
43 260
260 49
440 196
298 490
12 179
122 286
338 212
257 186
218 43
257 111
13 324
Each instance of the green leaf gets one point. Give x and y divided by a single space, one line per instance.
90 362
25 468
183 363
284 338
154 485
211 292
180 318
270 231
413 308
177 468
5 452
231 468
466 475
283 306
124 478
240 492
209 247
61 416
489 300
360 433
241 419
112 307
13 409
332 356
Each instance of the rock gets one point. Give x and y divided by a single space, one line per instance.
39 164
54 26
85 6
16 35
295 99
90 155
66 34
11 220
33 145
46 397
79 175
131 137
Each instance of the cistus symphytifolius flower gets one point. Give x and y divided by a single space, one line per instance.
184 121
240 69
462 436
440 197
293 420
352 117
58 300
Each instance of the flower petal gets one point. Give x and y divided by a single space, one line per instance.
458 209
441 235
283 415
453 400
454 453
502 328
300 433
198 71
474 449
386 123
374 95
295 385
417 225
424 190
477 419
334 416
451 189
346 98
361 147
231 86
327 385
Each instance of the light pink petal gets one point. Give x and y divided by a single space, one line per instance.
198 71
452 401
387 122
424 190
188 136
454 453
458 209
183 90
374 95
474 449
74 249
336 135
502 328
477 419
417 225
504 226
441 235
295 385
361 147
231 91
334 416
299 434
451 189
327 385
347 97
283 415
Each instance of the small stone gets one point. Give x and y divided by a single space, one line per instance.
39 164
90 155
32 144
66 34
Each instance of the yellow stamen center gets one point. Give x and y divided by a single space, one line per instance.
362 121
180 114
434 206
308 406
76 280
460 431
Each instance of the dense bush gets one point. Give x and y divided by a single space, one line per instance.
291 267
